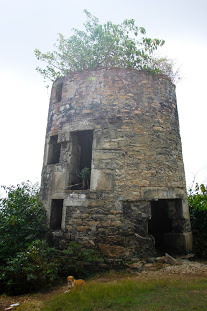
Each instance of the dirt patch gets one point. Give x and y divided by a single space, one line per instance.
6 301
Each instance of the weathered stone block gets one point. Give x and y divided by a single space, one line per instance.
113 251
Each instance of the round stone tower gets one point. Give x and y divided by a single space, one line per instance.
113 174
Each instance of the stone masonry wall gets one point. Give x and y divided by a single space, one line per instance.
136 159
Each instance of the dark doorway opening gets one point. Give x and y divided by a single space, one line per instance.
160 224
56 214
81 157
54 150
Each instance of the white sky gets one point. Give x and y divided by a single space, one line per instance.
29 24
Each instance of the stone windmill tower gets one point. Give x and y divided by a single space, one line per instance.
113 174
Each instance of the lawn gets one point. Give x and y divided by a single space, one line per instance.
129 294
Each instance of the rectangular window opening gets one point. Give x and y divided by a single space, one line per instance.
56 214
54 150
81 157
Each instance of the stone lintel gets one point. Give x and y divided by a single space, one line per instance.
153 193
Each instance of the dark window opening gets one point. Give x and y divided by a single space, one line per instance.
160 223
81 157
54 150
58 91
56 214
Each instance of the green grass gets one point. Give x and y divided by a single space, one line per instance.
134 294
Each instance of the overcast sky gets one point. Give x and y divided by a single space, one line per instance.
29 24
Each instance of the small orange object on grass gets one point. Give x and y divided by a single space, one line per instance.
72 283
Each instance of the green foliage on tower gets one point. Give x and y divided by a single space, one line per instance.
109 45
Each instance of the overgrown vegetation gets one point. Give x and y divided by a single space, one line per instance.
41 266
197 200
28 261
122 45
22 219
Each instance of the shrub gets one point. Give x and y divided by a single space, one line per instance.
22 219
197 200
34 268
80 261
